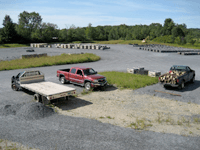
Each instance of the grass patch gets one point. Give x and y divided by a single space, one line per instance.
140 124
13 45
130 81
48 61
86 92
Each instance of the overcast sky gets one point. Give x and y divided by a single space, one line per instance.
64 13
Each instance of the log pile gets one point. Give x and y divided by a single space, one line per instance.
171 77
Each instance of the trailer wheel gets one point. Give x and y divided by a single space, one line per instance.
37 98
62 80
14 87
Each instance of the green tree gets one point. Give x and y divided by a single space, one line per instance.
8 33
6 20
190 39
90 32
177 31
168 26
28 23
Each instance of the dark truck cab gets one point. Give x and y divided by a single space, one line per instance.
177 76
83 76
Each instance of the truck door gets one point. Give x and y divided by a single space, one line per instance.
79 77
72 75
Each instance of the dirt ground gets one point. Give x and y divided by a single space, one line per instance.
140 112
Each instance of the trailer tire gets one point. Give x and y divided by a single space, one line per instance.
37 98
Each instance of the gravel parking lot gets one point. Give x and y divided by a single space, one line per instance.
20 121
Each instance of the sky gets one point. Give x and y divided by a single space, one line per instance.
80 13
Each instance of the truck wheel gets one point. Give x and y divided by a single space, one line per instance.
37 98
87 86
181 86
62 80
193 79
14 87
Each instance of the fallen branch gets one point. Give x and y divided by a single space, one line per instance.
168 93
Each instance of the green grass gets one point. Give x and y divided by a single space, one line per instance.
13 45
48 61
127 80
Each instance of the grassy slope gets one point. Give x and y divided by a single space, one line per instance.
127 80
48 61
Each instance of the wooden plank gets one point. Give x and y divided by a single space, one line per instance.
167 93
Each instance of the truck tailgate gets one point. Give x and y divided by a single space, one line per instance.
47 88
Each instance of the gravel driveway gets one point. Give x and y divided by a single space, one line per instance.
20 120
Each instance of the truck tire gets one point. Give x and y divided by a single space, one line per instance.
193 79
37 98
87 86
62 80
14 87
182 85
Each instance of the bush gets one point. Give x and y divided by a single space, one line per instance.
164 39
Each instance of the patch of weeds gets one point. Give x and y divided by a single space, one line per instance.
189 102
51 105
159 117
109 117
198 128
179 123
169 119
183 119
190 132
86 92
101 117
188 123
140 125
196 120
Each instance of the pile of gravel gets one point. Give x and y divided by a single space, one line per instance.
29 111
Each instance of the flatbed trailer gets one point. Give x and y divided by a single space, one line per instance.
44 90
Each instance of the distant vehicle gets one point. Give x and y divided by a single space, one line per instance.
177 76
44 91
83 76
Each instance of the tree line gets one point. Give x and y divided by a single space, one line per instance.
30 28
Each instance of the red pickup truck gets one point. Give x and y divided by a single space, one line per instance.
83 76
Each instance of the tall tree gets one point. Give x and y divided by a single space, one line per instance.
8 33
6 20
168 26
28 22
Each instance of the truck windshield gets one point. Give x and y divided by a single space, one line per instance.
89 71
178 68
19 74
